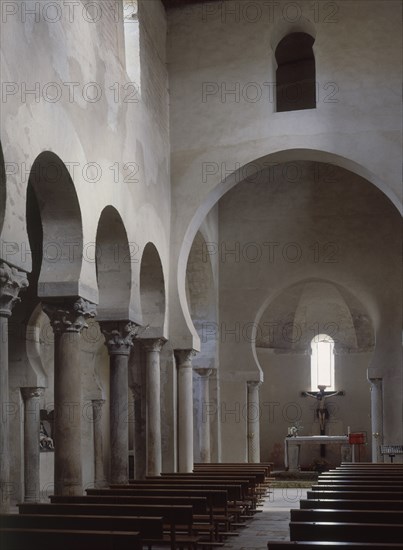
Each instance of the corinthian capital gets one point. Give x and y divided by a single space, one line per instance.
70 315
32 393
119 336
153 344
184 357
12 281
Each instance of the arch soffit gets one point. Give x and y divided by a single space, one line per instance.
253 167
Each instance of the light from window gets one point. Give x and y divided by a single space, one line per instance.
132 40
322 362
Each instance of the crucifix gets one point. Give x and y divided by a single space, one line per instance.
321 410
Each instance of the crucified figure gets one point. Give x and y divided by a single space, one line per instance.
321 410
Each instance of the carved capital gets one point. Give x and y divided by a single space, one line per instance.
153 344
12 282
203 372
29 393
254 384
119 336
69 316
184 357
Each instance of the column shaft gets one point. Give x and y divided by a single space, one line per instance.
119 434
12 281
204 427
119 340
31 398
99 470
185 409
376 418
253 422
67 424
5 486
139 437
68 319
153 406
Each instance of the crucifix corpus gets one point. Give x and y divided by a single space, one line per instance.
321 410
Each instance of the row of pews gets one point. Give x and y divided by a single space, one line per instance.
357 506
191 511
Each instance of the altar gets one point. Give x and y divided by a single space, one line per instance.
292 446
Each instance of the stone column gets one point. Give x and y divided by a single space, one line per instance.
376 418
31 397
68 319
185 409
139 433
204 427
153 348
253 414
119 340
99 470
12 281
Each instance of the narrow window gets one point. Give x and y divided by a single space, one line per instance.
295 75
322 362
132 41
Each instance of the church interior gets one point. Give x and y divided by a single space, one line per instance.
200 241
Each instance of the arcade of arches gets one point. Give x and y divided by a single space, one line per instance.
168 257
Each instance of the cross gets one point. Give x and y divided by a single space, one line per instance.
321 410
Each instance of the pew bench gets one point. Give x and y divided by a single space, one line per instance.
347 504
363 487
215 516
237 504
317 545
147 527
228 512
355 495
348 516
20 539
346 532
202 524
176 518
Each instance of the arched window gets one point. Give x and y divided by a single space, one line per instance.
322 362
132 41
295 75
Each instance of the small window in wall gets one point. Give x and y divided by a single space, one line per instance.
132 40
322 362
295 75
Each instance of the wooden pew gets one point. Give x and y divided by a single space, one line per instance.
348 516
360 487
342 511
375 482
355 495
346 532
318 545
147 527
201 515
36 539
365 475
175 516
250 483
227 515
236 491
217 501
347 504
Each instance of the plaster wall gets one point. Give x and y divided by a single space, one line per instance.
281 404
219 62
66 90
356 232
112 137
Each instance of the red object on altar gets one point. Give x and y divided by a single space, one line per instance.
357 438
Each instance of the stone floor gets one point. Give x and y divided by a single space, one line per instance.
269 524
